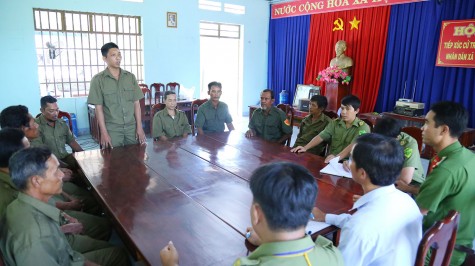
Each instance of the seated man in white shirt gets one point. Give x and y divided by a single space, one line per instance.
387 226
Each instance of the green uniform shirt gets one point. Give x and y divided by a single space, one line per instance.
340 136
165 125
309 129
33 236
272 126
55 137
8 192
451 186
294 253
412 158
212 119
117 98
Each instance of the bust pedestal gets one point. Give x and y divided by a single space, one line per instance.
334 93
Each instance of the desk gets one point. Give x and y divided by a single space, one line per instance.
194 191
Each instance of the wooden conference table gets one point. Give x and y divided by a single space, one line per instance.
195 192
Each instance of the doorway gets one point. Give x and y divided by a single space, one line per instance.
221 60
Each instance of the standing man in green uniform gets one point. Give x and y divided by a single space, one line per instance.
451 183
313 124
213 114
341 132
116 94
32 234
170 122
269 122
281 236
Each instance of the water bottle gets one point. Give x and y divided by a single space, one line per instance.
75 124
284 97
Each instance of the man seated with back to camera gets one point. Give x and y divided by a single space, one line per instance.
269 122
313 124
341 132
386 228
281 235
170 122
412 172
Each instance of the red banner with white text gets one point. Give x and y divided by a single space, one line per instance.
457 44
307 7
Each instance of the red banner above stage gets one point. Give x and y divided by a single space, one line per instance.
457 44
307 7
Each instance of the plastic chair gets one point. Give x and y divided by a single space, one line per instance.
194 109
289 111
158 90
145 105
440 239
67 115
174 86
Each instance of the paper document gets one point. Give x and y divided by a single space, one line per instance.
335 168
314 226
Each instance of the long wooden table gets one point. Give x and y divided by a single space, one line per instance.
195 192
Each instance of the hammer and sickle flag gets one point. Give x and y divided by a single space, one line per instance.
287 122
338 24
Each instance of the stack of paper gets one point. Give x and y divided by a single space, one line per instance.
314 226
335 168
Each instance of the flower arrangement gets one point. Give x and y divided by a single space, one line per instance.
334 74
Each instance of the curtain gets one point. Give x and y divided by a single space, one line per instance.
288 39
411 51
366 46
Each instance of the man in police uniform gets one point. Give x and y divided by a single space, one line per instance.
269 122
213 114
280 235
116 94
32 234
341 132
313 124
412 171
451 183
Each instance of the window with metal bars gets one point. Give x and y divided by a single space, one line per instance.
68 48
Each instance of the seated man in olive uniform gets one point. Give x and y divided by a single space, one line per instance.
170 122
451 183
32 234
116 94
412 172
280 235
269 122
313 124
341 132
213 114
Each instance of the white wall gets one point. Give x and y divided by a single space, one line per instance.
170 54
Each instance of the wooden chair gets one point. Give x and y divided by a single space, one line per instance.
155 108
416 133
289 111
440 239
145 105
330 114
174 86
194 109
159 90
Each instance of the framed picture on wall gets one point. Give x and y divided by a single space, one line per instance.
172 19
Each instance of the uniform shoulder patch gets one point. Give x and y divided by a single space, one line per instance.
361 132
287 122
403 142
361 123
407 152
